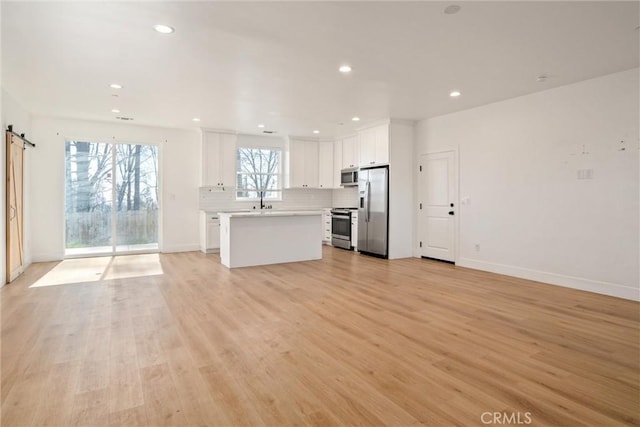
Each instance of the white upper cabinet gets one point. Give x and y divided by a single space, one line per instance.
325 165
303 164
296 163
374 145
350 152
337 163
382 144
367 142
219 159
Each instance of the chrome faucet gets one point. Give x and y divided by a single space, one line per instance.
262 205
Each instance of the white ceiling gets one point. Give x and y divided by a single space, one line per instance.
238 64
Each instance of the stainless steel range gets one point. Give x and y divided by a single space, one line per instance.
341 228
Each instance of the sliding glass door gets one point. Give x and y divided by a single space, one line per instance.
136 197
111 198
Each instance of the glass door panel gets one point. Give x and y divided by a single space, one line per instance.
88 207
136 197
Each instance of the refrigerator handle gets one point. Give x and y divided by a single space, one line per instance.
368 211
366 201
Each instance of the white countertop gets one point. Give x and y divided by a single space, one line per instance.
268 213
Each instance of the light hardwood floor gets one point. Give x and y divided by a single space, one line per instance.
349 340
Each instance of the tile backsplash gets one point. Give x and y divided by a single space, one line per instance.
345 197
214 198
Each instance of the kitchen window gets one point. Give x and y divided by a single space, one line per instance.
259 172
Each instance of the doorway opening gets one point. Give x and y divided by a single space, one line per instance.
111 198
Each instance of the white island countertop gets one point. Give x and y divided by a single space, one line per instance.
270 237
268 212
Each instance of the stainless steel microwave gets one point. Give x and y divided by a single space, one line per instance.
349 177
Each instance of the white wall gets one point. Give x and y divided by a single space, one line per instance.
401 185
531 216
14 114
179 180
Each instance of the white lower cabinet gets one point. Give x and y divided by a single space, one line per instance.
210 240
326 226
354 230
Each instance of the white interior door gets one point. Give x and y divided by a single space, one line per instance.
439 206
14 203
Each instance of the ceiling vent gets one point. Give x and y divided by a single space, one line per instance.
124 118
269 131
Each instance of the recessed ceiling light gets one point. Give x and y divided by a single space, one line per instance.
115 86
454 93
115 110
260 126
164 29
356 119
316 131
196 119
452 9
345 69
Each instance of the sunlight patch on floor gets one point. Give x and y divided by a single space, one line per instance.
134 266
84 270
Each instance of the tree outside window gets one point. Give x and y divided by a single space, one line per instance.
259 171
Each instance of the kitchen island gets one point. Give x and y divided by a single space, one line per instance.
269 237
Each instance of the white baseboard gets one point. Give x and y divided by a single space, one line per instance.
180 248
47 257
605 288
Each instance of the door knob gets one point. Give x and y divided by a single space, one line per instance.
451 213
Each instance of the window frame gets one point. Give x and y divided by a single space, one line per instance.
278 175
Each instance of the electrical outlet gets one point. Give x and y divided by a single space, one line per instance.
477 247
585 173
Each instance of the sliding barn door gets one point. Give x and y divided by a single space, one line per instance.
15 229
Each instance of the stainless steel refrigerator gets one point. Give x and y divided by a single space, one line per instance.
373 211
